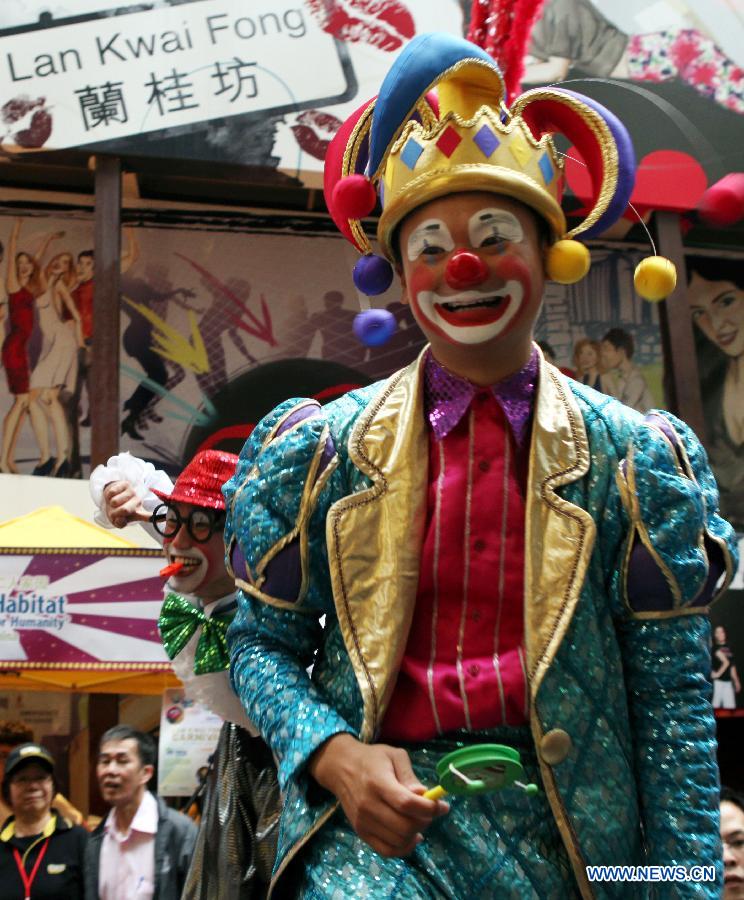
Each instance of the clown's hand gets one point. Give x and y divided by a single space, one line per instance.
122 506
379 793
142 478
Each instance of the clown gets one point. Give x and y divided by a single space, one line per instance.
501 555
189 517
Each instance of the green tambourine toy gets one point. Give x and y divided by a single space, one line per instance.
478 770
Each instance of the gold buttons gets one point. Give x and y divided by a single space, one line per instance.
555 746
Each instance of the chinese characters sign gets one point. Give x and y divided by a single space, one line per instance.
112 76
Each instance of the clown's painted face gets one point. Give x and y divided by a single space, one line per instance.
472 269
203 572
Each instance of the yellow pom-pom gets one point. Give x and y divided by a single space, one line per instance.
567 262
655 278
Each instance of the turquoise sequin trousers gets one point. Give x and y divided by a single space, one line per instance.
503 845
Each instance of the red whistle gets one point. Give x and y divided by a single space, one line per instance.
172 569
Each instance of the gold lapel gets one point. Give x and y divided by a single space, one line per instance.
374 538
559 536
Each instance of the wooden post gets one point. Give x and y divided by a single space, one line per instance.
103 713
104 380
682 379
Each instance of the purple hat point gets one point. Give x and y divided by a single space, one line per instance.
374 327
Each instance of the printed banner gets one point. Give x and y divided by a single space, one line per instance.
92 609
260 83
129 74
715 296
188 736
673 73
727 651
602 333
219 326
225 318
267 84
46 713
46 325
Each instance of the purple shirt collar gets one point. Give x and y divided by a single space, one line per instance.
448 396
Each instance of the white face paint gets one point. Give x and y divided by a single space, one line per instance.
472 317
491 227
432 236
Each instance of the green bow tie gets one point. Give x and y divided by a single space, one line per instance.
178 621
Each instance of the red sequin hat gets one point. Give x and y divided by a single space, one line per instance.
200 483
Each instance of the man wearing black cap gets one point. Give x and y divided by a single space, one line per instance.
41 854
13 734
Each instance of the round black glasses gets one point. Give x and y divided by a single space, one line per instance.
200 523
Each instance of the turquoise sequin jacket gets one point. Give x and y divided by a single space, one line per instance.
620 697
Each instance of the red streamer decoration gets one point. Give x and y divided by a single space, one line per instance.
502 28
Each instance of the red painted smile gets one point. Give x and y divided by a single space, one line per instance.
479 311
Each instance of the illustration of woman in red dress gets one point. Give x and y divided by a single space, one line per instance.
22 284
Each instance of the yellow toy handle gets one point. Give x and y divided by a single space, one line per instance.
435 793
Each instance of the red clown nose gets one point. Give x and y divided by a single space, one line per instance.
465 270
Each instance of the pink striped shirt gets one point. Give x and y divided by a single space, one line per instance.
464 665
127 863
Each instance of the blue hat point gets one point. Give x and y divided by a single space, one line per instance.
420 63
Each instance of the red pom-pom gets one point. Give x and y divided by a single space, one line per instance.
354 197
723 203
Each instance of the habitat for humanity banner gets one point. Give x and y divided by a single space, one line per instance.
93 609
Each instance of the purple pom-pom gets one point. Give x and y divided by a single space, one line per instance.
374 327
372 275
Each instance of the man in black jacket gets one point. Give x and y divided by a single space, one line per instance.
142 848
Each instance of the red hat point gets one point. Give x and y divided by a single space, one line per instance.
723 203
200 483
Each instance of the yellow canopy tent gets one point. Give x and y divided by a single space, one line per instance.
78 606
52 527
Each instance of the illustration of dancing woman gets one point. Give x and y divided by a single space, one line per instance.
57 365
23 285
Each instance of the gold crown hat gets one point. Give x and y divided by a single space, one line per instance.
441 125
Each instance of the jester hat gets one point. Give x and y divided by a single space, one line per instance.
441 124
